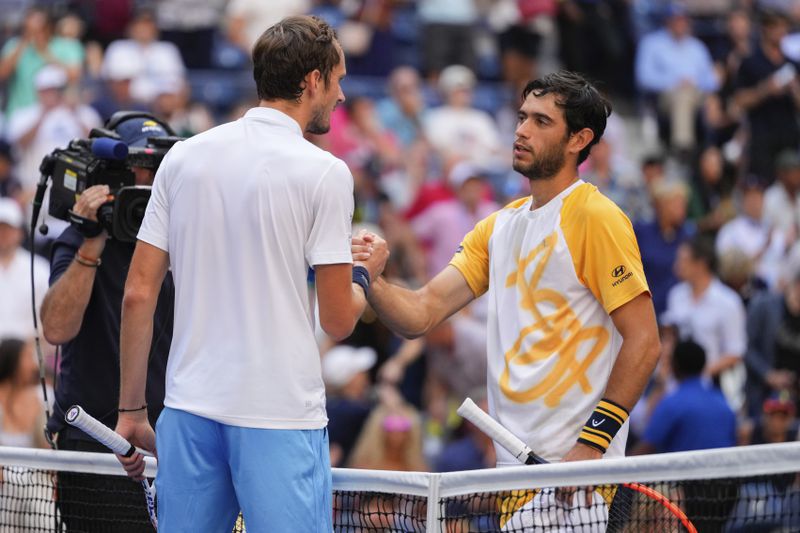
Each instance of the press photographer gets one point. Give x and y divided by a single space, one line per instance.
82 309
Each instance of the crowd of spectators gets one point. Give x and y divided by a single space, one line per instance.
702 153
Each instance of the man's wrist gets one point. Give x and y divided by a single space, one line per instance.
136 415
603 424
92 247
361 278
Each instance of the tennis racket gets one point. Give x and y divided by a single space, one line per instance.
82 420
621 509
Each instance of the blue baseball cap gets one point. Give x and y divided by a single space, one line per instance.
135 131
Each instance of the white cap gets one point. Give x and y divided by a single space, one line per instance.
456 77
341 363
10 213
461 172
50 77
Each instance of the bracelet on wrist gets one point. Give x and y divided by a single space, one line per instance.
603 424
87 261
133 410
361 278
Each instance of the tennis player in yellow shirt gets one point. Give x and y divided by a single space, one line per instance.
572 332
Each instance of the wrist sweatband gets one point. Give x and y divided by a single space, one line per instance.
86 227
605 421
361 278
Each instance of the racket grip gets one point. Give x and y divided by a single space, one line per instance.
498 433
82 420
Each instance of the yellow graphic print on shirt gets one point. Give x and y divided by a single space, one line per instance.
563 335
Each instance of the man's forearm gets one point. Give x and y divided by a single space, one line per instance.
400 309
65 303
135 338
635 363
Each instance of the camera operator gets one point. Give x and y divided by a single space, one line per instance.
82 312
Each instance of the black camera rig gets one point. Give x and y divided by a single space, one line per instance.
103 159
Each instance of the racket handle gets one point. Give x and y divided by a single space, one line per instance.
498 433
82 420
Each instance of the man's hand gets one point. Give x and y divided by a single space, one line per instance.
136 429
90 201
87 205
579 452
378 256
361 245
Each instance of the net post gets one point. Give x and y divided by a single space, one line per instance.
434 513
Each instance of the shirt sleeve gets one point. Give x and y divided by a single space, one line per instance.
63 252
604 251
155 225
332 226
472 257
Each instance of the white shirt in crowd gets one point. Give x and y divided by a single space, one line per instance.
16 319
717 322
780 210
758 241
465 133
243 210
58 127
156 63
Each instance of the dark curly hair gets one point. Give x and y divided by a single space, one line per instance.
288 51
583 105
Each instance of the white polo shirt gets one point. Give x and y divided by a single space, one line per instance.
715 321
243 210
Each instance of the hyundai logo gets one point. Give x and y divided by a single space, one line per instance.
617 272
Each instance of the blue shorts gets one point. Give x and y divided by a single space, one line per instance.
207 472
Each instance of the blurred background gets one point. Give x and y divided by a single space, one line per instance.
701 152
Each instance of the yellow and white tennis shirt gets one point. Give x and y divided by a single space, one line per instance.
554 274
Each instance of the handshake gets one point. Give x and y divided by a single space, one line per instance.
370 251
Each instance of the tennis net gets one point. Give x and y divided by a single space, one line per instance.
736 490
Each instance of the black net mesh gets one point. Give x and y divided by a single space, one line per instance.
732 505
363 512
37 501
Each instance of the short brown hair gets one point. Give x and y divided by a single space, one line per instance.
288 51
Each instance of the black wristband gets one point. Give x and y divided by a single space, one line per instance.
604 423
86 227
361 278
